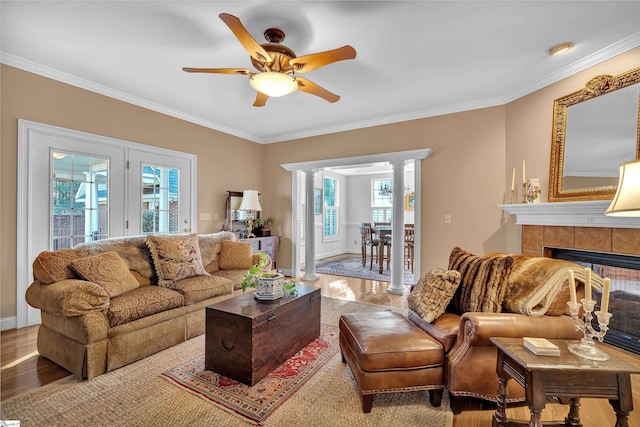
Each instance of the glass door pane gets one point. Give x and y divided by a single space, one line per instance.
160 199
79 200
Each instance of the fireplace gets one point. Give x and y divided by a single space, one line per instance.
624 272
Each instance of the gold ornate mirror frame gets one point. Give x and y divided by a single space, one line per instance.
597 86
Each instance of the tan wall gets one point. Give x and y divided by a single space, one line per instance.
529 121
464 177
225 162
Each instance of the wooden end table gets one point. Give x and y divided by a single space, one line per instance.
565 376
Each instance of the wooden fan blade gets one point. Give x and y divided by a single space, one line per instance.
256 51
310 87
243 71
261 100
303 64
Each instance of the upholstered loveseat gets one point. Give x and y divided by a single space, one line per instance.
108 303
495 295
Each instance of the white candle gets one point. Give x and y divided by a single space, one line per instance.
513 179
572 287
606 289
524 174
587 284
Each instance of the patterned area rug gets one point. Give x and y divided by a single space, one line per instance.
137 395
256 403
350 265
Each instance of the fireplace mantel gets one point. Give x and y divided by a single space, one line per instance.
578 214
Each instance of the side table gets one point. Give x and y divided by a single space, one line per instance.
565 376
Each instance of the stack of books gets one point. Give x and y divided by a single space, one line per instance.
541 346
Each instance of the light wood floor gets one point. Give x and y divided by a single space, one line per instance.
23 369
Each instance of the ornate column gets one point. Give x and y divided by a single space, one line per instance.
397 233
309 228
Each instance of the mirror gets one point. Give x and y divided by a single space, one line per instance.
594 131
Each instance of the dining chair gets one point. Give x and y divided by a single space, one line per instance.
409 234
368 239
385 249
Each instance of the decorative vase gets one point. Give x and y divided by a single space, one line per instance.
270 288
533 190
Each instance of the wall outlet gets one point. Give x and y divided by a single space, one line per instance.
447 219
205 217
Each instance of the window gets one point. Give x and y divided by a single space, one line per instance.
381 200
330 211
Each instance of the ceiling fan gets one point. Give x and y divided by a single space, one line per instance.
277 65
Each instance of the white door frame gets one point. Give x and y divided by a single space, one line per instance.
28 134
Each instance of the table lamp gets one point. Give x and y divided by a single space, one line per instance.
250 204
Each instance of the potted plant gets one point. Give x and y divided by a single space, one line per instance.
262 227
269 286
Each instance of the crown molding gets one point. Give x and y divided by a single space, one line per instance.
602 55
589 61
72 80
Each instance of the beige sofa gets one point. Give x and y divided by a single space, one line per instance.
109 303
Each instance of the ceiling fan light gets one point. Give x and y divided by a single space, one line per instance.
273 84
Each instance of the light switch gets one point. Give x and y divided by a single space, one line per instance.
447 219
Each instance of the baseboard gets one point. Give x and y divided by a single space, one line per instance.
8 323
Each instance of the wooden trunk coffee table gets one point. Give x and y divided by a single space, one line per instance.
568 375
246 339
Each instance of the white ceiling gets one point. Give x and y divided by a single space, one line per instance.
415 59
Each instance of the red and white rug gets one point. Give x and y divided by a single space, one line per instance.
255 404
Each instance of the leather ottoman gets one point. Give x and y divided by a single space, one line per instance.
387 354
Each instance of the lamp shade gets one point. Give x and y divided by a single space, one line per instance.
250 201
626 202
273 84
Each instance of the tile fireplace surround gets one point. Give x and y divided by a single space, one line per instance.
582 226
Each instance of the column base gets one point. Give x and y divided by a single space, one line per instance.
310 277
396 290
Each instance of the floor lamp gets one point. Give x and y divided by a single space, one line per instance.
250 204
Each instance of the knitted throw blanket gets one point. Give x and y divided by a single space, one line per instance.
535 282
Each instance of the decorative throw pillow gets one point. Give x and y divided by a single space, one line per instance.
54 266
483 280
175 257
236 255
107 270
433 292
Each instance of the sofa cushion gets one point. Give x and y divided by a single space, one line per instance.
69 297
483 280
142 302
235 276
175 257
54 266
236 255
199 288
107 270
433 292
210 246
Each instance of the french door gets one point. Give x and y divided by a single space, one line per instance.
77 187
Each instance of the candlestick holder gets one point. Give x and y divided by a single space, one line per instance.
513 196
586 348
523 199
